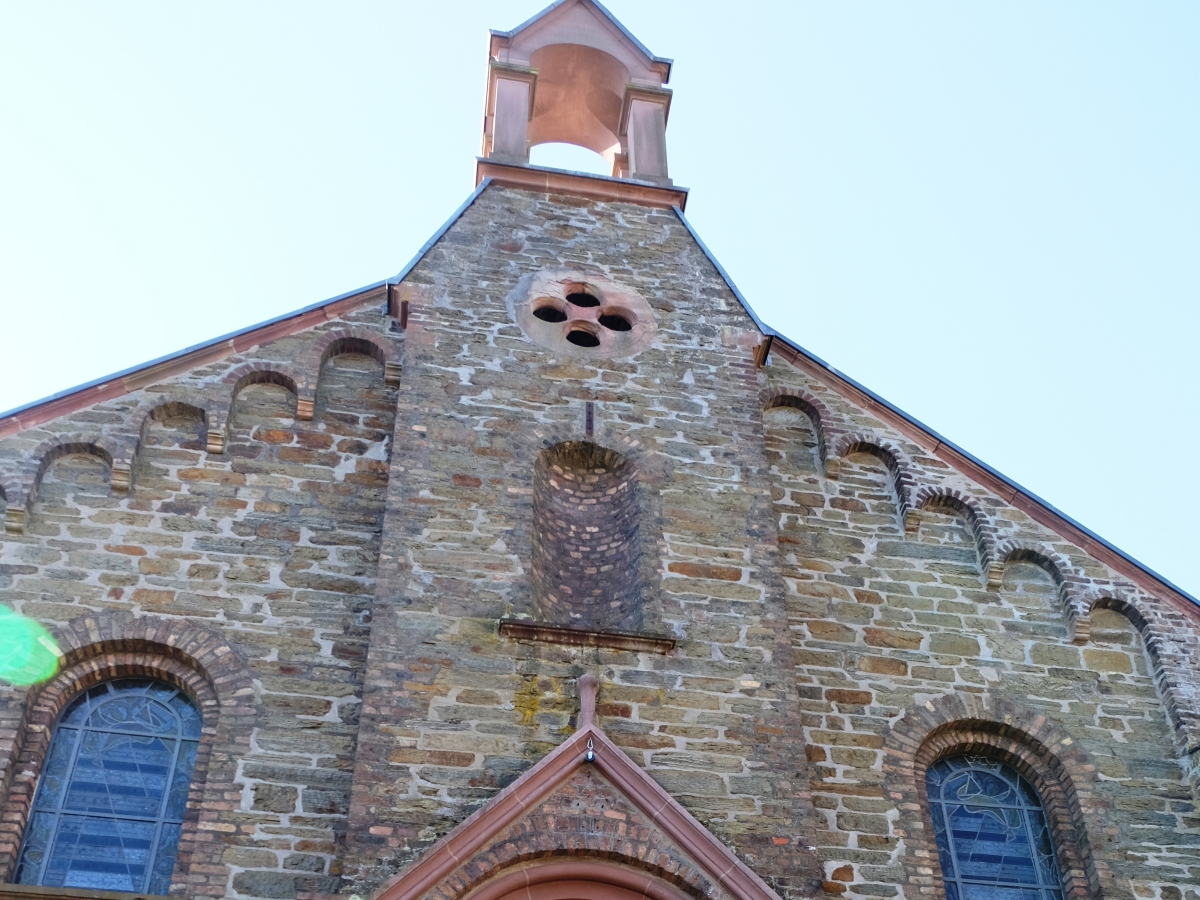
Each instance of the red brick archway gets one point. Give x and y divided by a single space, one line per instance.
576 880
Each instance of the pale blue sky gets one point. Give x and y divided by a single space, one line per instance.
988 213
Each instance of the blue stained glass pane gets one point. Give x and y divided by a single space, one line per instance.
988 892
164 859
991 845
189 716
100 853
1043 847
116 771
133 712
981 787
991 833
37 841
54 773
120 774
76 712
182 781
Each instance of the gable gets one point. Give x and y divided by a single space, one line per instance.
585 799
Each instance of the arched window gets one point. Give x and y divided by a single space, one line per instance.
109 806
992 835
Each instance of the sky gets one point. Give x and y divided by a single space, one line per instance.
987 213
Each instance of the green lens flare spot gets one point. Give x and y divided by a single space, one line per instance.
28 654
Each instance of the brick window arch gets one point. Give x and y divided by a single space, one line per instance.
1027 742
105 646
109 809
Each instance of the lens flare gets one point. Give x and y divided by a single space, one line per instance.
28 653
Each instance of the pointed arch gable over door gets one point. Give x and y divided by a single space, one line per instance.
584 823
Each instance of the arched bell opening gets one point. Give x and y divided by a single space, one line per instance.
578 99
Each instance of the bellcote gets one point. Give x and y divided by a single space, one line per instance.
573 74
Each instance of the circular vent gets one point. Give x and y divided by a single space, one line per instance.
585 315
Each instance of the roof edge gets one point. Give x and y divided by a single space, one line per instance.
974 468
135 378
608 15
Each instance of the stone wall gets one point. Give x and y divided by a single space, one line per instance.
819 605
908 585
271 545
452 710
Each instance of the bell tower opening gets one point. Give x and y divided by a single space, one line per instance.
573 75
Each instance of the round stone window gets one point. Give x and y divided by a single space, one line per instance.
583 314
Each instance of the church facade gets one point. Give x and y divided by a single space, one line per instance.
546 570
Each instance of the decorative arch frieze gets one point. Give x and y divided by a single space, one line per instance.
1041 750
965 506
1061 572
1171 667
893 458
348 340
824 423
102 646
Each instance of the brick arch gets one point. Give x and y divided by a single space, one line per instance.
1061 572
243 376
818 413
611 871
351 340
102 646
968 508
892 457
653 469
1041 750
557 879
1168 675
46 453
175 407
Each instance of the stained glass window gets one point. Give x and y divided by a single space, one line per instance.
992 834
109 806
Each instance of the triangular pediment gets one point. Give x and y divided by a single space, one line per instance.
586 23
584 801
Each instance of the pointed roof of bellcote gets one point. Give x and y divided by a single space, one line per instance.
645 846
575 75
583 22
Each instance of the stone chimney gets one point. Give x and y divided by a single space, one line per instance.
573 74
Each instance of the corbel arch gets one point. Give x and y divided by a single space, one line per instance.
967 508
104 646
241 377
892 457
1040 750
352 340
818 413
116 454
1061 572
1168 670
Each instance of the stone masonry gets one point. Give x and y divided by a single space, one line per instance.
318 534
